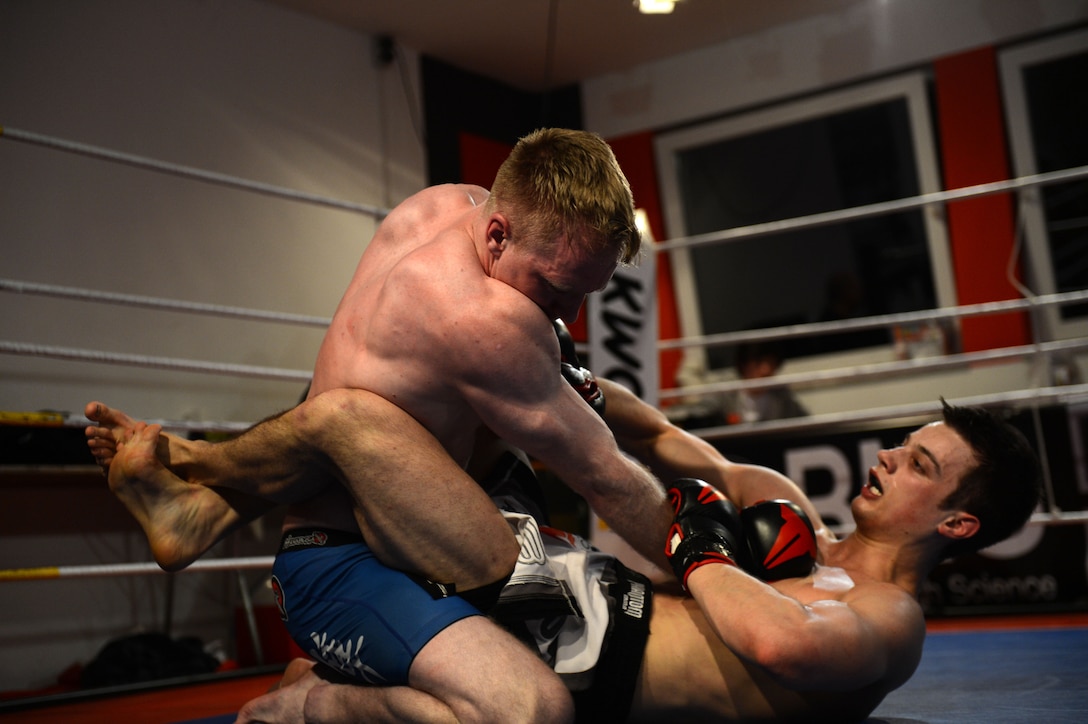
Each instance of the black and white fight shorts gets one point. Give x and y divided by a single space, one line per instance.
585 613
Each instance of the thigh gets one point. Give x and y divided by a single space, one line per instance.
485 674
355 615
419 510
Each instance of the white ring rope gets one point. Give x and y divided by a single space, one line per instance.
162 363
874 322
265 562
173 305
133 569
789 331
188 172
878 209
771 227
880 370
799 379
1065 394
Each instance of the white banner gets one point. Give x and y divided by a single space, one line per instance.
622 327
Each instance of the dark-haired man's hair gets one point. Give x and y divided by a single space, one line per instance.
1003 488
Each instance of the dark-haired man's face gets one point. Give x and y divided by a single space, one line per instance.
908 483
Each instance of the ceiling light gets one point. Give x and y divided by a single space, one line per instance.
655 7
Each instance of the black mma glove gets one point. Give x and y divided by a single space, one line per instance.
584 384
567 352
578 377
779 540
705 529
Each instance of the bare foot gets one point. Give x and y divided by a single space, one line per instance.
287 702
181 520
113 425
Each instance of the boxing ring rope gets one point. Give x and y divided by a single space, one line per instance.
163 363
877 370
172 305
256 563
822 377
173 169
877 209
880 370
1033 397
133 569
874 322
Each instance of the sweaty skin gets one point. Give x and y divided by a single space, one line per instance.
450 320
447 318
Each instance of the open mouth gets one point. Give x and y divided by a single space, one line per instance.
874 483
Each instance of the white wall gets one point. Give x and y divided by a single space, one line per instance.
239 87
870 38
236 87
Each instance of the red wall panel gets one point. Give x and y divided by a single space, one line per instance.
982 230
636 156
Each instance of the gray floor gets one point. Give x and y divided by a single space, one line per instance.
995 678
1037 676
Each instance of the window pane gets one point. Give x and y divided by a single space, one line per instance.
864 267
1059 137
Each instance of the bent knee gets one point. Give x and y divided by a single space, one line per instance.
325 703
497 555
507 550
543 699
484 674
536 701
555 703
332 409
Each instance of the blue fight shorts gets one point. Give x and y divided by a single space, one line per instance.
351 612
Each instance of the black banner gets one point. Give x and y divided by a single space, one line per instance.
1041 568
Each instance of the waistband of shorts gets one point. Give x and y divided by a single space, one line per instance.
297 539
615 677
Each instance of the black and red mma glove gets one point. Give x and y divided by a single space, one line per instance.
705 529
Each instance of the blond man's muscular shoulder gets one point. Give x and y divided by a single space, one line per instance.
436 203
